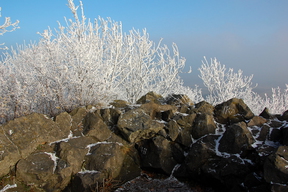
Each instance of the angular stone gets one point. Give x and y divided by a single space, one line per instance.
266 114
182 102
159 153
72 154
200 152
284 116
275 135
184 128
110 116
114 160
203 107
94 126
232 111
284 135
256 121
275 167
78 116
264 132
173 130
150 97
20 137
136 125
38 168
236 139
155 110
203 124
226 170
119 103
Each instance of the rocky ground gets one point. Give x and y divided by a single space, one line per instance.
126 147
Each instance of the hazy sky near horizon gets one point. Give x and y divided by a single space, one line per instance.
251 35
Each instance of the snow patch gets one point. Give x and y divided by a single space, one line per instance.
176 167
70 136
99 143
53 158
161 121
8 186
88 171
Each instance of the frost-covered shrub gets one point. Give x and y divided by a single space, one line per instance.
85 63
224 84
7 26
278 102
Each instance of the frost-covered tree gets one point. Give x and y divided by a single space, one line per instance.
7 26
278 102
224 84
85 62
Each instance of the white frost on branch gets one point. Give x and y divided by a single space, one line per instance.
8 186
85 62
7 26
224 84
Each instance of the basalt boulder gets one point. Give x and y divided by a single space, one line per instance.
232 111
180 128
200 152
94 126
136 125
236 139
182 102
276 166
150 97
20 137
114 160
160 154
203 124
39 169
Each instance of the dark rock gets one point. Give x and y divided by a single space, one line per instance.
78 115
200 152
160 154
110 116
155 110
114 160
20 137
253 180
264 133
203 107
39 168
285 135
94 126
183 102
136 125
256 121
284 116
203 124
185 120
173 130
236 139
120 103
229 171
266 114
85 150
275 167
184 132
151 96
275 123
279 188
146 183
232 111
72 154
275 135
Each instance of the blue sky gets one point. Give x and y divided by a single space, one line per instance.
251 35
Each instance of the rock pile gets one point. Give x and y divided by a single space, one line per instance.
225 147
